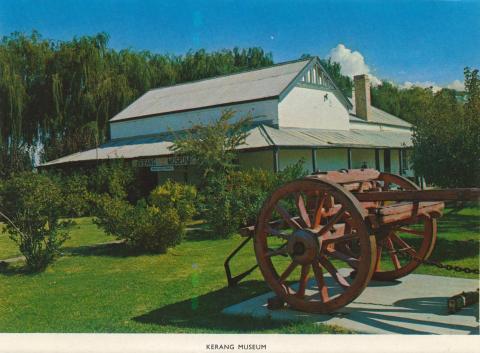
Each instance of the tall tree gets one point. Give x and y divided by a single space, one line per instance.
447 139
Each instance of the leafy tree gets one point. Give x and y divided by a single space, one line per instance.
231 197
447 138
213 146
408 104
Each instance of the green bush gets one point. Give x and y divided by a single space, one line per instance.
34 204
181 197
76 195
115 178
234 201
143 227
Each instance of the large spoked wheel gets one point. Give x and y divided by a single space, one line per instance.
415 241
296 238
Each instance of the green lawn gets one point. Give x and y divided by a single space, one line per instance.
104 289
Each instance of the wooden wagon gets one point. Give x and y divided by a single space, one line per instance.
347 219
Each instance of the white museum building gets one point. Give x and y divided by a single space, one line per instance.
299 114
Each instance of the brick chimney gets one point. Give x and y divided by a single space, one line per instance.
362 97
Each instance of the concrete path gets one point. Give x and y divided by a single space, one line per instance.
415 304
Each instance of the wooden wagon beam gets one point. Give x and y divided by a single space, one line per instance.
467 194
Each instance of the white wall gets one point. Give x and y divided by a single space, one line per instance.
263 110
331 159
307 108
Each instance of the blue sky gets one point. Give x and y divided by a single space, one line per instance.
423 42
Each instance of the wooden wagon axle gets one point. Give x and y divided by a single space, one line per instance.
354 217
467 194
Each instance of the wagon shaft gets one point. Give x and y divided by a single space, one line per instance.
470 194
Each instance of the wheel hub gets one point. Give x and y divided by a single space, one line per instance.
303 246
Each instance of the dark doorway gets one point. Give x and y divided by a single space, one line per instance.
386 161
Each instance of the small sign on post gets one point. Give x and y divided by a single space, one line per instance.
162 168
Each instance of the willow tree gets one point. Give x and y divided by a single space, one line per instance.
56 97
22 68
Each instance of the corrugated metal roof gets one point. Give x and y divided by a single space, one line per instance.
260 137
331 138
379 116
246 86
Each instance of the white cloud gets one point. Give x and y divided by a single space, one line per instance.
456 85
424 84
352 62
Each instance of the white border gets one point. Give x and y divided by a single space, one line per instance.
150 343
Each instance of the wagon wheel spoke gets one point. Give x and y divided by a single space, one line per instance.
276 232
287 272
337 238
322 287
333 272
302 210
412 231
303 281
345 248
404 246
392 252
351 261
317 216
331 222
287 217
282 251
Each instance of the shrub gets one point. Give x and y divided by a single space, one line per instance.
76 196
143 227
181 197
234 202
34 204
114 178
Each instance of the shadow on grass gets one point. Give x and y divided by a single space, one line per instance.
200 233
454 222
111 250
446 249
454 250
204 312
14 270
17 268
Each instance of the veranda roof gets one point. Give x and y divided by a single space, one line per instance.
260 137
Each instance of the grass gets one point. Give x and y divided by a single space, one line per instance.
106 289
